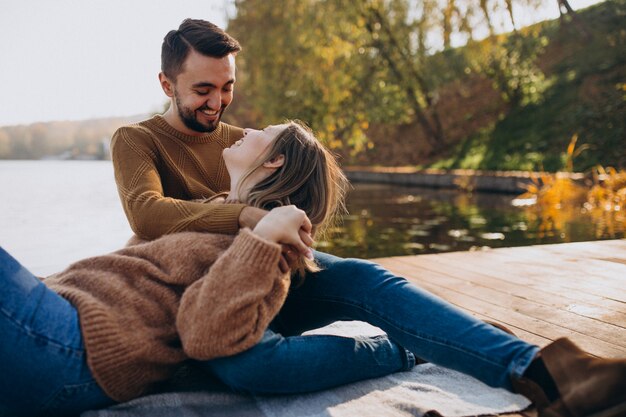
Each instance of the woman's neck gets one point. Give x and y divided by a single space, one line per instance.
235 193
239 191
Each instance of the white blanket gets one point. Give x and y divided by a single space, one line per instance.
414 393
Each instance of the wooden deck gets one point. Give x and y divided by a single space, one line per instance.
575 290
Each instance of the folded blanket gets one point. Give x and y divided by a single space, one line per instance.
415 393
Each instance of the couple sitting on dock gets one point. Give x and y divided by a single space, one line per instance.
228 280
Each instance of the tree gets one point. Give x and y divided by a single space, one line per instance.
341 65
403 63
449 12
484 7
298 62
566 9
509 9
5 145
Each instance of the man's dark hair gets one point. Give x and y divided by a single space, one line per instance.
199 35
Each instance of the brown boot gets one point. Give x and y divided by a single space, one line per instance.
588 386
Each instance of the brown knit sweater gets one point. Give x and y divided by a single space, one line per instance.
159 169
146 308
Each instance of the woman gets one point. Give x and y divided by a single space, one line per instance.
204 296
560 379
108 328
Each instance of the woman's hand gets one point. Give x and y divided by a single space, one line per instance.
288 226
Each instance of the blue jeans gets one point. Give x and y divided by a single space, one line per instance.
42 358
354 289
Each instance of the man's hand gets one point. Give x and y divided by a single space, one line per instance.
250 216
288 257
288 226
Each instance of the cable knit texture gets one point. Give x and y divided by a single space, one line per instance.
147 308
159 169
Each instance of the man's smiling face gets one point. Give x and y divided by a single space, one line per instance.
202 91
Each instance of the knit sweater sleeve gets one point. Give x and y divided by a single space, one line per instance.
230 307
150 213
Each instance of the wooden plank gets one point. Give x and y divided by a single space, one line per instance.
592 247
619 244
584 276
603 331
390 263
576 251
617 260
577 314
541 328
559 300
588 255
566 266
506 265
508 316
481 268
614 242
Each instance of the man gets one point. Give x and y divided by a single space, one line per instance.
164 163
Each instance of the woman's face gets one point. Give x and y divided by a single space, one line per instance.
242 154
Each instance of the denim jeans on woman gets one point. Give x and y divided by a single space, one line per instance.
43 368
45 372
354 289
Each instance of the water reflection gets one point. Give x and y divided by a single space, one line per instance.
387 220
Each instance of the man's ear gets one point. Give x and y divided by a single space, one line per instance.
277 162
166 85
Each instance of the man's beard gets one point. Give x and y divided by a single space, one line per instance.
188 116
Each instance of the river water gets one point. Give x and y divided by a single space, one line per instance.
55 212
387 220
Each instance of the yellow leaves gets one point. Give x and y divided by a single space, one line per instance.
572 145
572 153
531 191
555 199
555 191
606 200
335 144
609 191
558 199
552 201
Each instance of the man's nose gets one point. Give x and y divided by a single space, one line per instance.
214 101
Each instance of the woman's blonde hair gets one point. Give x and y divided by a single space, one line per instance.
310 178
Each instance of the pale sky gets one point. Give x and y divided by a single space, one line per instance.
80 59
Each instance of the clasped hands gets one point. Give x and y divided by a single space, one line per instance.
291 228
